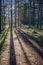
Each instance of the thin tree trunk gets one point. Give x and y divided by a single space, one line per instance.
30 15
18 13
11 15
40 14
0 16
15 13
38 17
3 15
33 12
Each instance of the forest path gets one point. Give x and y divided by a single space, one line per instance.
18 52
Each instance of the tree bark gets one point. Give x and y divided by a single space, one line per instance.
0 16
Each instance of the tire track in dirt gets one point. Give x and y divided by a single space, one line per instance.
21 58
33 57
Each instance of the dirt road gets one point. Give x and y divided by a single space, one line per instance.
19 52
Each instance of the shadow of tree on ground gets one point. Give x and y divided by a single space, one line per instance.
12 51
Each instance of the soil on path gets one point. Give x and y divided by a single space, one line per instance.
19 53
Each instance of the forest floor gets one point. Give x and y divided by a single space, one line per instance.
19 52
35 33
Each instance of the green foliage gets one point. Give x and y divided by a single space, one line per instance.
2 34
3 39
36 34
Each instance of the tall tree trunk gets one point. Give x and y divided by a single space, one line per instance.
33 12
18 12
0 16
30 15
11 15
38 17
40 13
3 16
15 13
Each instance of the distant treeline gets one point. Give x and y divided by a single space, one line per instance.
31 12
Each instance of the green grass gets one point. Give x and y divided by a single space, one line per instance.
3 40
36 34
1 35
